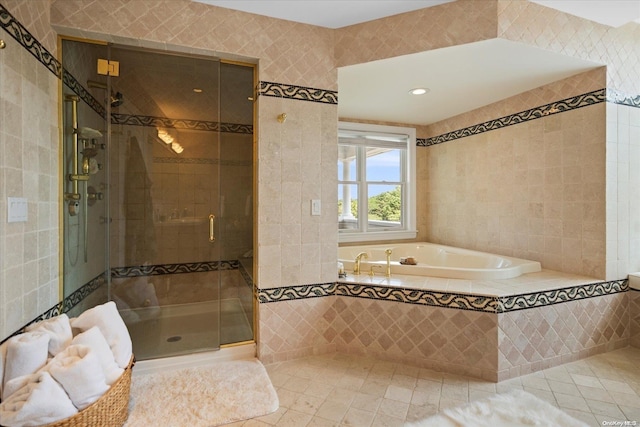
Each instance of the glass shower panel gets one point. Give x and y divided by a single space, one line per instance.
165 187
84 183
235 224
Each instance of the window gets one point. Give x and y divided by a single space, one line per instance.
376 182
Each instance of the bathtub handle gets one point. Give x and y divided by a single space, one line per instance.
212 237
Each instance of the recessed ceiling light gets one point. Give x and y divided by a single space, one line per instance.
197 90
419 91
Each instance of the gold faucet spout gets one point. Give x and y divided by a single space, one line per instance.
388 272
356 264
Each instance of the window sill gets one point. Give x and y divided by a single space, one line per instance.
370 237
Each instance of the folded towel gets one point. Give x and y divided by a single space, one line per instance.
93 338
78 370
17 383
59 330
41 401
108 320
26 353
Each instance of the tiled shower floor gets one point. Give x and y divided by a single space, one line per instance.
347 390
185 328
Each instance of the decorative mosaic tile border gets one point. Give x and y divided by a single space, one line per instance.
558 296
301 93
617 97
139 120
73 83
420 297
201 161
246 276
156 270
30 43
66 304
289 293
561 106
487 304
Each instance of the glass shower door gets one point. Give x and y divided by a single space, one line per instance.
165 192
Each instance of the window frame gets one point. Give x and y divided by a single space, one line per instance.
409 206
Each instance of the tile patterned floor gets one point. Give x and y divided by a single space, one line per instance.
346 390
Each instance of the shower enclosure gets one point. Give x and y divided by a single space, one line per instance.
157 194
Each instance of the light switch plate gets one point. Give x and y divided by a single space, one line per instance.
16 209
316 207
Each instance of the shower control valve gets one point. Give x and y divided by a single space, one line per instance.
74 207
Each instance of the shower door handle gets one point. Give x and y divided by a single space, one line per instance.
212 237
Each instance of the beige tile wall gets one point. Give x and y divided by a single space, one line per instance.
535 339
543 95
298 328
29 269
287 51
534 190
552 30
460 22
295 160
456 341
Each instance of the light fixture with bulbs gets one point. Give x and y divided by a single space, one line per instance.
170 141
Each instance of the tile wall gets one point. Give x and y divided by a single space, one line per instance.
534 190
535 339
29 269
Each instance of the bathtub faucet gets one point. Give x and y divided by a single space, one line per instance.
356 264
388 272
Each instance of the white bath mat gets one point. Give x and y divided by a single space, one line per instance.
202 396
514 409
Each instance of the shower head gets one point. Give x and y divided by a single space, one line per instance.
116 100
99 85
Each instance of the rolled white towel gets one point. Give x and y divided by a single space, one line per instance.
108 320
93 338
59 330
78 371
26 353
41 401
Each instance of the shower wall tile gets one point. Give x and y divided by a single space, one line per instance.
535 339
195 27
28 168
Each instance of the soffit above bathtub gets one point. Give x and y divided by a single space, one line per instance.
459 78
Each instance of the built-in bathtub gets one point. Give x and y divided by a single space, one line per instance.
437 261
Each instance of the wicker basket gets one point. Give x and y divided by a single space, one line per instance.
111 410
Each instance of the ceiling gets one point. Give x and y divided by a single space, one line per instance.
459 78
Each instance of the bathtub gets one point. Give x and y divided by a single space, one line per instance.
436 260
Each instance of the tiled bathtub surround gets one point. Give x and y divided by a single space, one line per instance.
496 331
